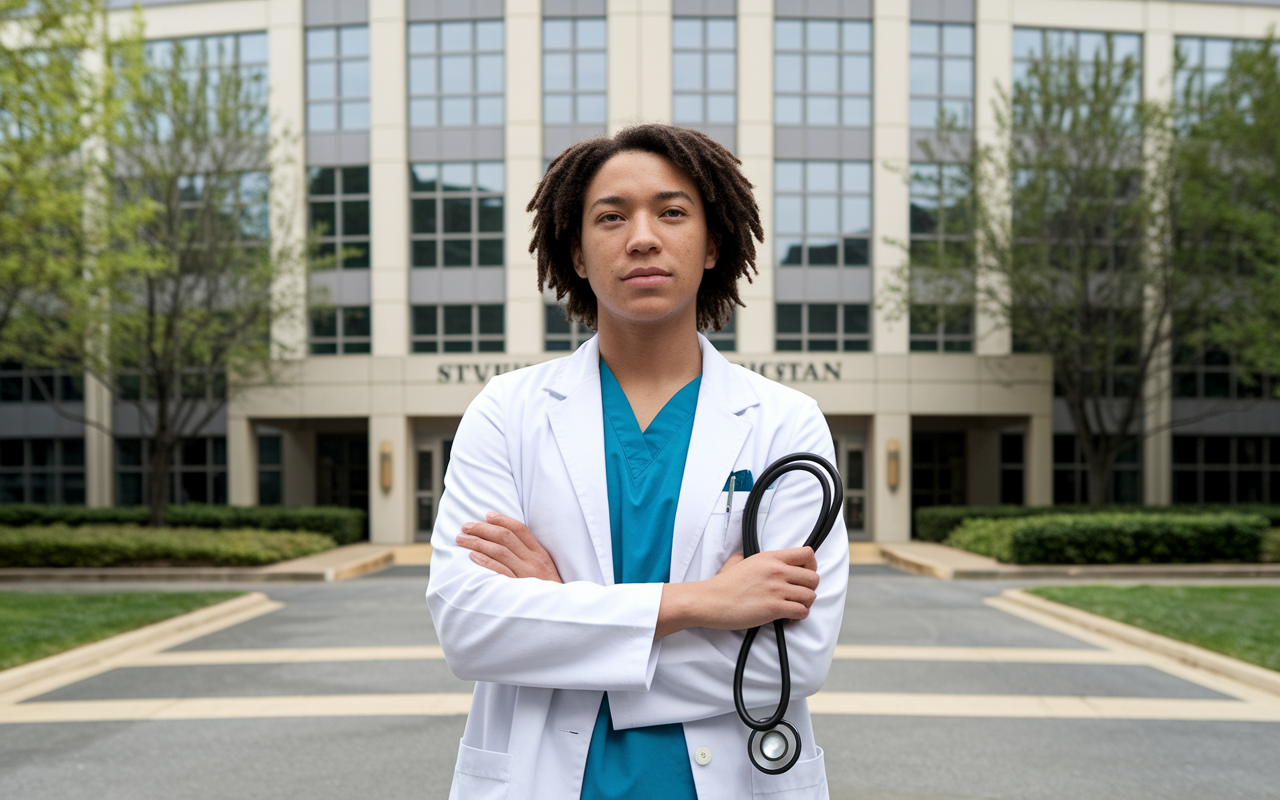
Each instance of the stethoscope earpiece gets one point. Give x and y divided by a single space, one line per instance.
775 750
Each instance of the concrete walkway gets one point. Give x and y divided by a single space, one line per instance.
939 690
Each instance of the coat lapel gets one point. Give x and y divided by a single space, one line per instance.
577 420
719 432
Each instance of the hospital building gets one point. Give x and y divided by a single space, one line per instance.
416 131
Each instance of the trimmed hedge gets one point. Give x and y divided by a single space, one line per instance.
1115 538
935 523
343 525
124 545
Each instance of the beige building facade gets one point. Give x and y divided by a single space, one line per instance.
418 129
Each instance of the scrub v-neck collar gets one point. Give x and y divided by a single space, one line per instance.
642 447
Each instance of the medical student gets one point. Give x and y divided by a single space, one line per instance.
586 572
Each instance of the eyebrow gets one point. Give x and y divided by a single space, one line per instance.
615 200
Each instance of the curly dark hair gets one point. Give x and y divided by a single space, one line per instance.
733 217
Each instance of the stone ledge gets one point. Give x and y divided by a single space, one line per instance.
939 561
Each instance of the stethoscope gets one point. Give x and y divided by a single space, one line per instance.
774 745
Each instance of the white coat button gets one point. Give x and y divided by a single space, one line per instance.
702 755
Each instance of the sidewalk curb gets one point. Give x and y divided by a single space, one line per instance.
89 654
948 563
338 564
1257 677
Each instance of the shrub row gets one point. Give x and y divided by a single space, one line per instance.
343 525
124 545
936 523
1115 538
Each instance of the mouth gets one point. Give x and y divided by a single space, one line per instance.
646 276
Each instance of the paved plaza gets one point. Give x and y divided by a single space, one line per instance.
938 691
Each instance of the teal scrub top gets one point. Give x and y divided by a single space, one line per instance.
643 470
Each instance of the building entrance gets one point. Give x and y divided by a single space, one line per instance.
342 470
937 469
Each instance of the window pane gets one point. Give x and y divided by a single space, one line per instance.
457 320
457 215
324 322
457 252
354 41
490 217
857 318
355 321
822 318
355 218
788 318
491 318
424 216
355 78
424 320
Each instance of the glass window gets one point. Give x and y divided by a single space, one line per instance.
42 471
338 78
339 206
941 75
823 327
198 473
345 330
941 328
456 73
559 334
822 213
1083 49
705 70
822 72
245 53
1071 474
573 70
458 328
457 214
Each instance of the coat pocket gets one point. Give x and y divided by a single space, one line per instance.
481 774
807 780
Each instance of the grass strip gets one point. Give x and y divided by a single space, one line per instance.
133 545
1238 621
36 625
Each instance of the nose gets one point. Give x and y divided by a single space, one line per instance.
644 236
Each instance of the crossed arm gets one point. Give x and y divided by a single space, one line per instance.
776 584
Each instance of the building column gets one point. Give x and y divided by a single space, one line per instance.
391 509
388 178
639 62
1039 459
298 466
754 324
286 102
982 465
1157 412
523 143
992 72
99 445
891 158
242 462
890 511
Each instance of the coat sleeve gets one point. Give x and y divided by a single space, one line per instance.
694 676
526 632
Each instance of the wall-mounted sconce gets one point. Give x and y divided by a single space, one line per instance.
384 464
894 453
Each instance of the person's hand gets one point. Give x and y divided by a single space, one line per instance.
745 593
506 546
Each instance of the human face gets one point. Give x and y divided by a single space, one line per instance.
644 242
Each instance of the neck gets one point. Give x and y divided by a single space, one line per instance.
651 356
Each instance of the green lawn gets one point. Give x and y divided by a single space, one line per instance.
1239 621
35 624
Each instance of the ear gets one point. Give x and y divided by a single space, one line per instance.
713 252
579 265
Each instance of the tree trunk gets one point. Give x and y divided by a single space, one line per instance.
162 445
1100 468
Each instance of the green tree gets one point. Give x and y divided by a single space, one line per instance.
1229 221
1069 212
195 288
54 106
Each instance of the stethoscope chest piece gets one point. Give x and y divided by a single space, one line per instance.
775 750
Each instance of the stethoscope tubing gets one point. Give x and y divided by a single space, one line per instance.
832 498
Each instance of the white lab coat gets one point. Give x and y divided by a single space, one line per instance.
531 445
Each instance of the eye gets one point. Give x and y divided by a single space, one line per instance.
672 212
611 217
